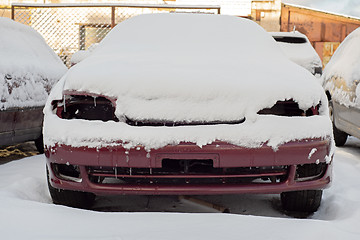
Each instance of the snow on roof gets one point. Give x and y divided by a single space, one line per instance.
301 53
28 66
23 50
346 60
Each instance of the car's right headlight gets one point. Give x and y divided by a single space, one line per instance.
289 108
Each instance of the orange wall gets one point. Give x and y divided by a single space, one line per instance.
324 30
318 26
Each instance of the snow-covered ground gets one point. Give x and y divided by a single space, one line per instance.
26 211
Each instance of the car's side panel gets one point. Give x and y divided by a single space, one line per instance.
7 123
27 118
347 119
7 120
20 125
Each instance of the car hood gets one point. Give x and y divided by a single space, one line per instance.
188 67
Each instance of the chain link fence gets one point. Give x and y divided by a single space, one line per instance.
5 11
68 28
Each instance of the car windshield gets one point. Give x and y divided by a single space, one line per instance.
296 40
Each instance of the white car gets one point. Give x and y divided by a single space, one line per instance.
341 82
188 104
298 49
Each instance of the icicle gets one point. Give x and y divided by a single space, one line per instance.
95 101
64 102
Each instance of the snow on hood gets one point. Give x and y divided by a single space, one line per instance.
301 53
28 66
346 60
184 67
192 67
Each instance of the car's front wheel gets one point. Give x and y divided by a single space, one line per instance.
39 144
307 201
70 198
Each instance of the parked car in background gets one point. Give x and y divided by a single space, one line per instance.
341 82
298 49
182 104
28 70
82 54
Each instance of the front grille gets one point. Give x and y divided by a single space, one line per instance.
187 172
160 123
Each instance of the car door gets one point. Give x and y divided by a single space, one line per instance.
347 118
7 124
28 123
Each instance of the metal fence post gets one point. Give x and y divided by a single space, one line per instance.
12 12
112 17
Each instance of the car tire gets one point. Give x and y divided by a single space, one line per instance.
39 144
340 137
70 198
306 201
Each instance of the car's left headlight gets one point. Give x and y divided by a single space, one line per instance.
85 107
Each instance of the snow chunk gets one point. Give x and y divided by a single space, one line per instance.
312 152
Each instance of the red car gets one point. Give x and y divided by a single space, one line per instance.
27 74
188 104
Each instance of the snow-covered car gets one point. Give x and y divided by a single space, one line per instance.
341 82
82 54
28 70
188 104
298 49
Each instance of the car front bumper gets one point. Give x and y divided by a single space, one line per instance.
254 163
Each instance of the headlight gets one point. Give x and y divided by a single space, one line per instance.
85 107
289 108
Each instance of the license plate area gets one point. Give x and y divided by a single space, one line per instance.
187 166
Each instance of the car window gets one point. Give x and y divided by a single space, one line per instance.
290 39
